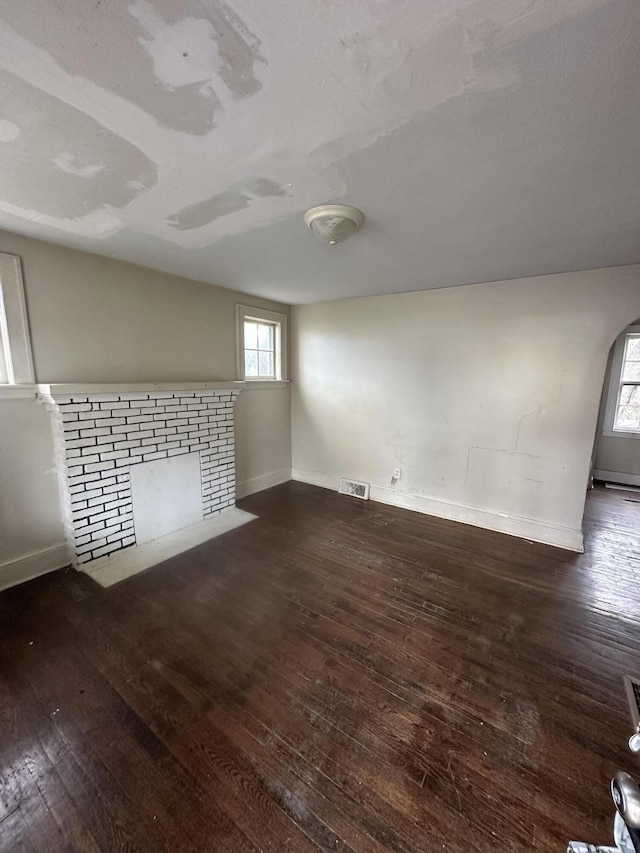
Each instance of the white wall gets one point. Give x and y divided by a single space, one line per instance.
98 320
486 396
616 459
29 511
263 436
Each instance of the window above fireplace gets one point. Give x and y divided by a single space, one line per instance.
261 344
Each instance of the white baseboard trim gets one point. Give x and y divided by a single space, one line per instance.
524 528
33 565
123 564
617 477
264 481
315 478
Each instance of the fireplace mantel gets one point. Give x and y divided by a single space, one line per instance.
54 391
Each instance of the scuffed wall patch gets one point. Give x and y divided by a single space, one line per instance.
181 62
211 50
58 148
9 131
236 198
72 165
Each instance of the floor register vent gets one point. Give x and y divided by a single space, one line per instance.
355 489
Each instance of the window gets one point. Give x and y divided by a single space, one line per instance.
259 350
623 401
262 344
16 366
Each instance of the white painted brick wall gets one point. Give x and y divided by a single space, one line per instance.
98 438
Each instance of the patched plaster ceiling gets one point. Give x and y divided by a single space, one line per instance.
483 139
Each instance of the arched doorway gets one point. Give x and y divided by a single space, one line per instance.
616 450
612 510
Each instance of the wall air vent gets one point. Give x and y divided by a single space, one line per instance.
355 489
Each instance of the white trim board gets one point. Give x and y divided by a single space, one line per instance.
265 481
266 384
53 391
524 528
110 570
617 477
33 565
17 392
14 324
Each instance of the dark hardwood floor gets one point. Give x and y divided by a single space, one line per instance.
337 675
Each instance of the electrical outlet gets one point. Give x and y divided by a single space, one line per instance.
396 473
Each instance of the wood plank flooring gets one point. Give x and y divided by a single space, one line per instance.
338 676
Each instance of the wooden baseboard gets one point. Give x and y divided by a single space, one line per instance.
265 481
33 565
512 525
617 477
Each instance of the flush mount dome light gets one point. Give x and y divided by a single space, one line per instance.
333 223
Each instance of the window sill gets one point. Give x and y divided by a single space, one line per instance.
17 392
609 433
265 384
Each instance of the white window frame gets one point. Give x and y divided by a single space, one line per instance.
615 386
279 321
15 339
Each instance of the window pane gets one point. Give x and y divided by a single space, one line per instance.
265 337
630 395
250 363
266 364
628 417
261 341
633 348
250 335
631 371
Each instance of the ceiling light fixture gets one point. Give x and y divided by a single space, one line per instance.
333 223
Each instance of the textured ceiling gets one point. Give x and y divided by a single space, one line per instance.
483 139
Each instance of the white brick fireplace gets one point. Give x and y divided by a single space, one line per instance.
139 461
